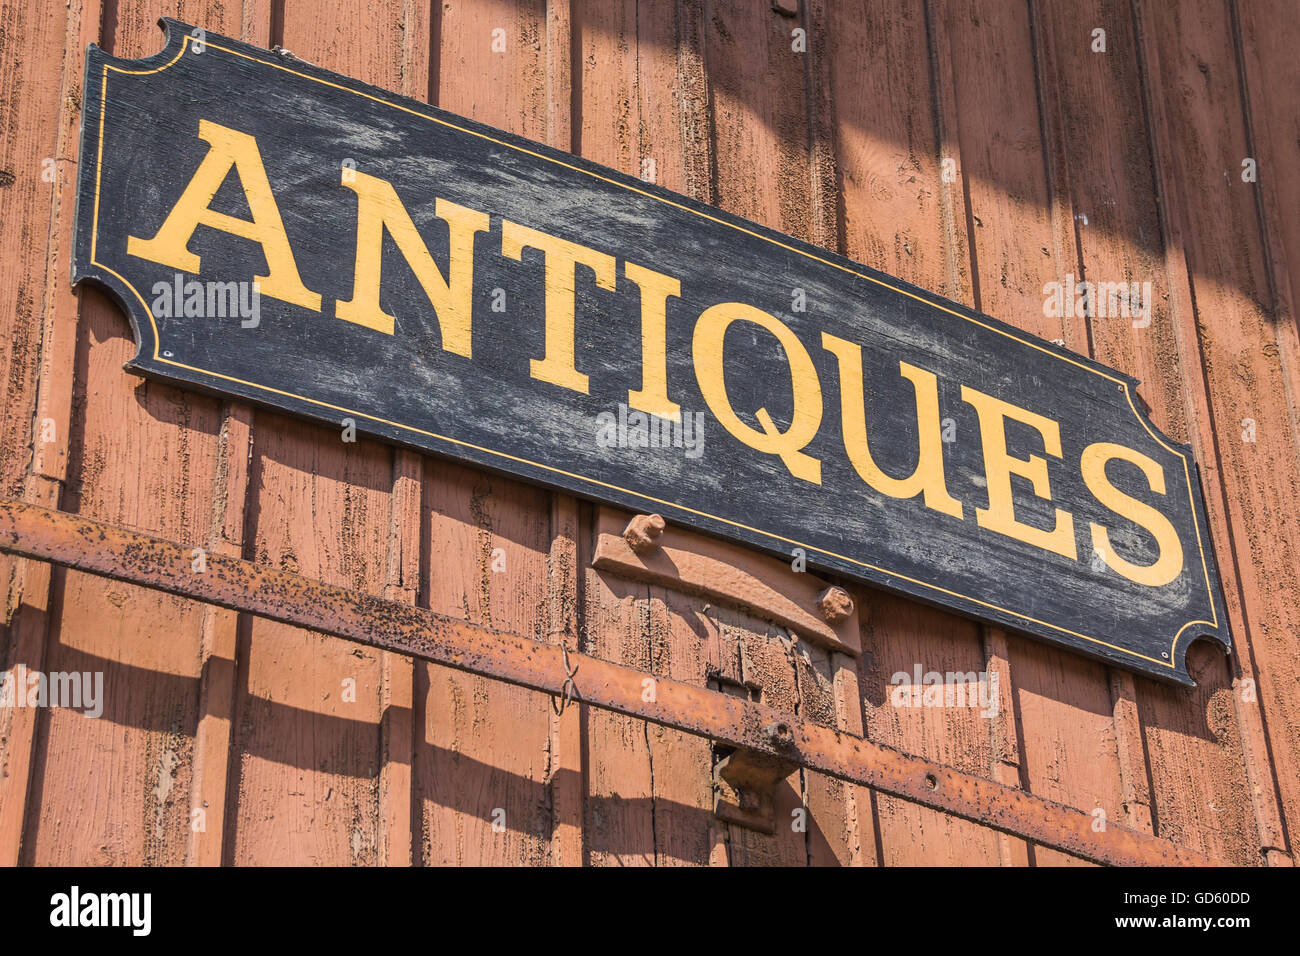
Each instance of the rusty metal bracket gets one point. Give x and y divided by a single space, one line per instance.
98 548
745 781
647 548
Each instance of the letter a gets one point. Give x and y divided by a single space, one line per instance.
170 245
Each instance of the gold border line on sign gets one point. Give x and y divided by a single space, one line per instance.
1123 385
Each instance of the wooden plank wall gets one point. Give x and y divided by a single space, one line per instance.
977 148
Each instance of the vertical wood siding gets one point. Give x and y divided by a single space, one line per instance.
227 739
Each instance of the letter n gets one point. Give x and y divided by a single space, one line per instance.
379 208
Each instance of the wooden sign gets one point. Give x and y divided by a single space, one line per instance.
286 235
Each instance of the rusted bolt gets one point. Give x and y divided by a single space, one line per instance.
931 781
642 533
834 604
780 733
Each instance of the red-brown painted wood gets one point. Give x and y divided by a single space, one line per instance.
842 143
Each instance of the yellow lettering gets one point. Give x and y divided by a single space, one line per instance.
379 208
706 349
170 245
562 259
927 478
1000 515
1170 562
655 287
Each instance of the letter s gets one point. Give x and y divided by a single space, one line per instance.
1170 562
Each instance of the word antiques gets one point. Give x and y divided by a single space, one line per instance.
454 288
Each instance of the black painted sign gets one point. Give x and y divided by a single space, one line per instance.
296 238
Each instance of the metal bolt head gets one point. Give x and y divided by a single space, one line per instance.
834 604
780 733
642 533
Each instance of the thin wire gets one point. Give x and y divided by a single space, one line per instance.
569 691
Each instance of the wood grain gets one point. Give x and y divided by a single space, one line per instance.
463 776
842 146
1199 130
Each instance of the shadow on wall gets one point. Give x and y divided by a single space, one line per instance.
344 747
888 166
166 704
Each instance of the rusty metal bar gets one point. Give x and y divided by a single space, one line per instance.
99 548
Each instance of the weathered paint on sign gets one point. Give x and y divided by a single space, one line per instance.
281 233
